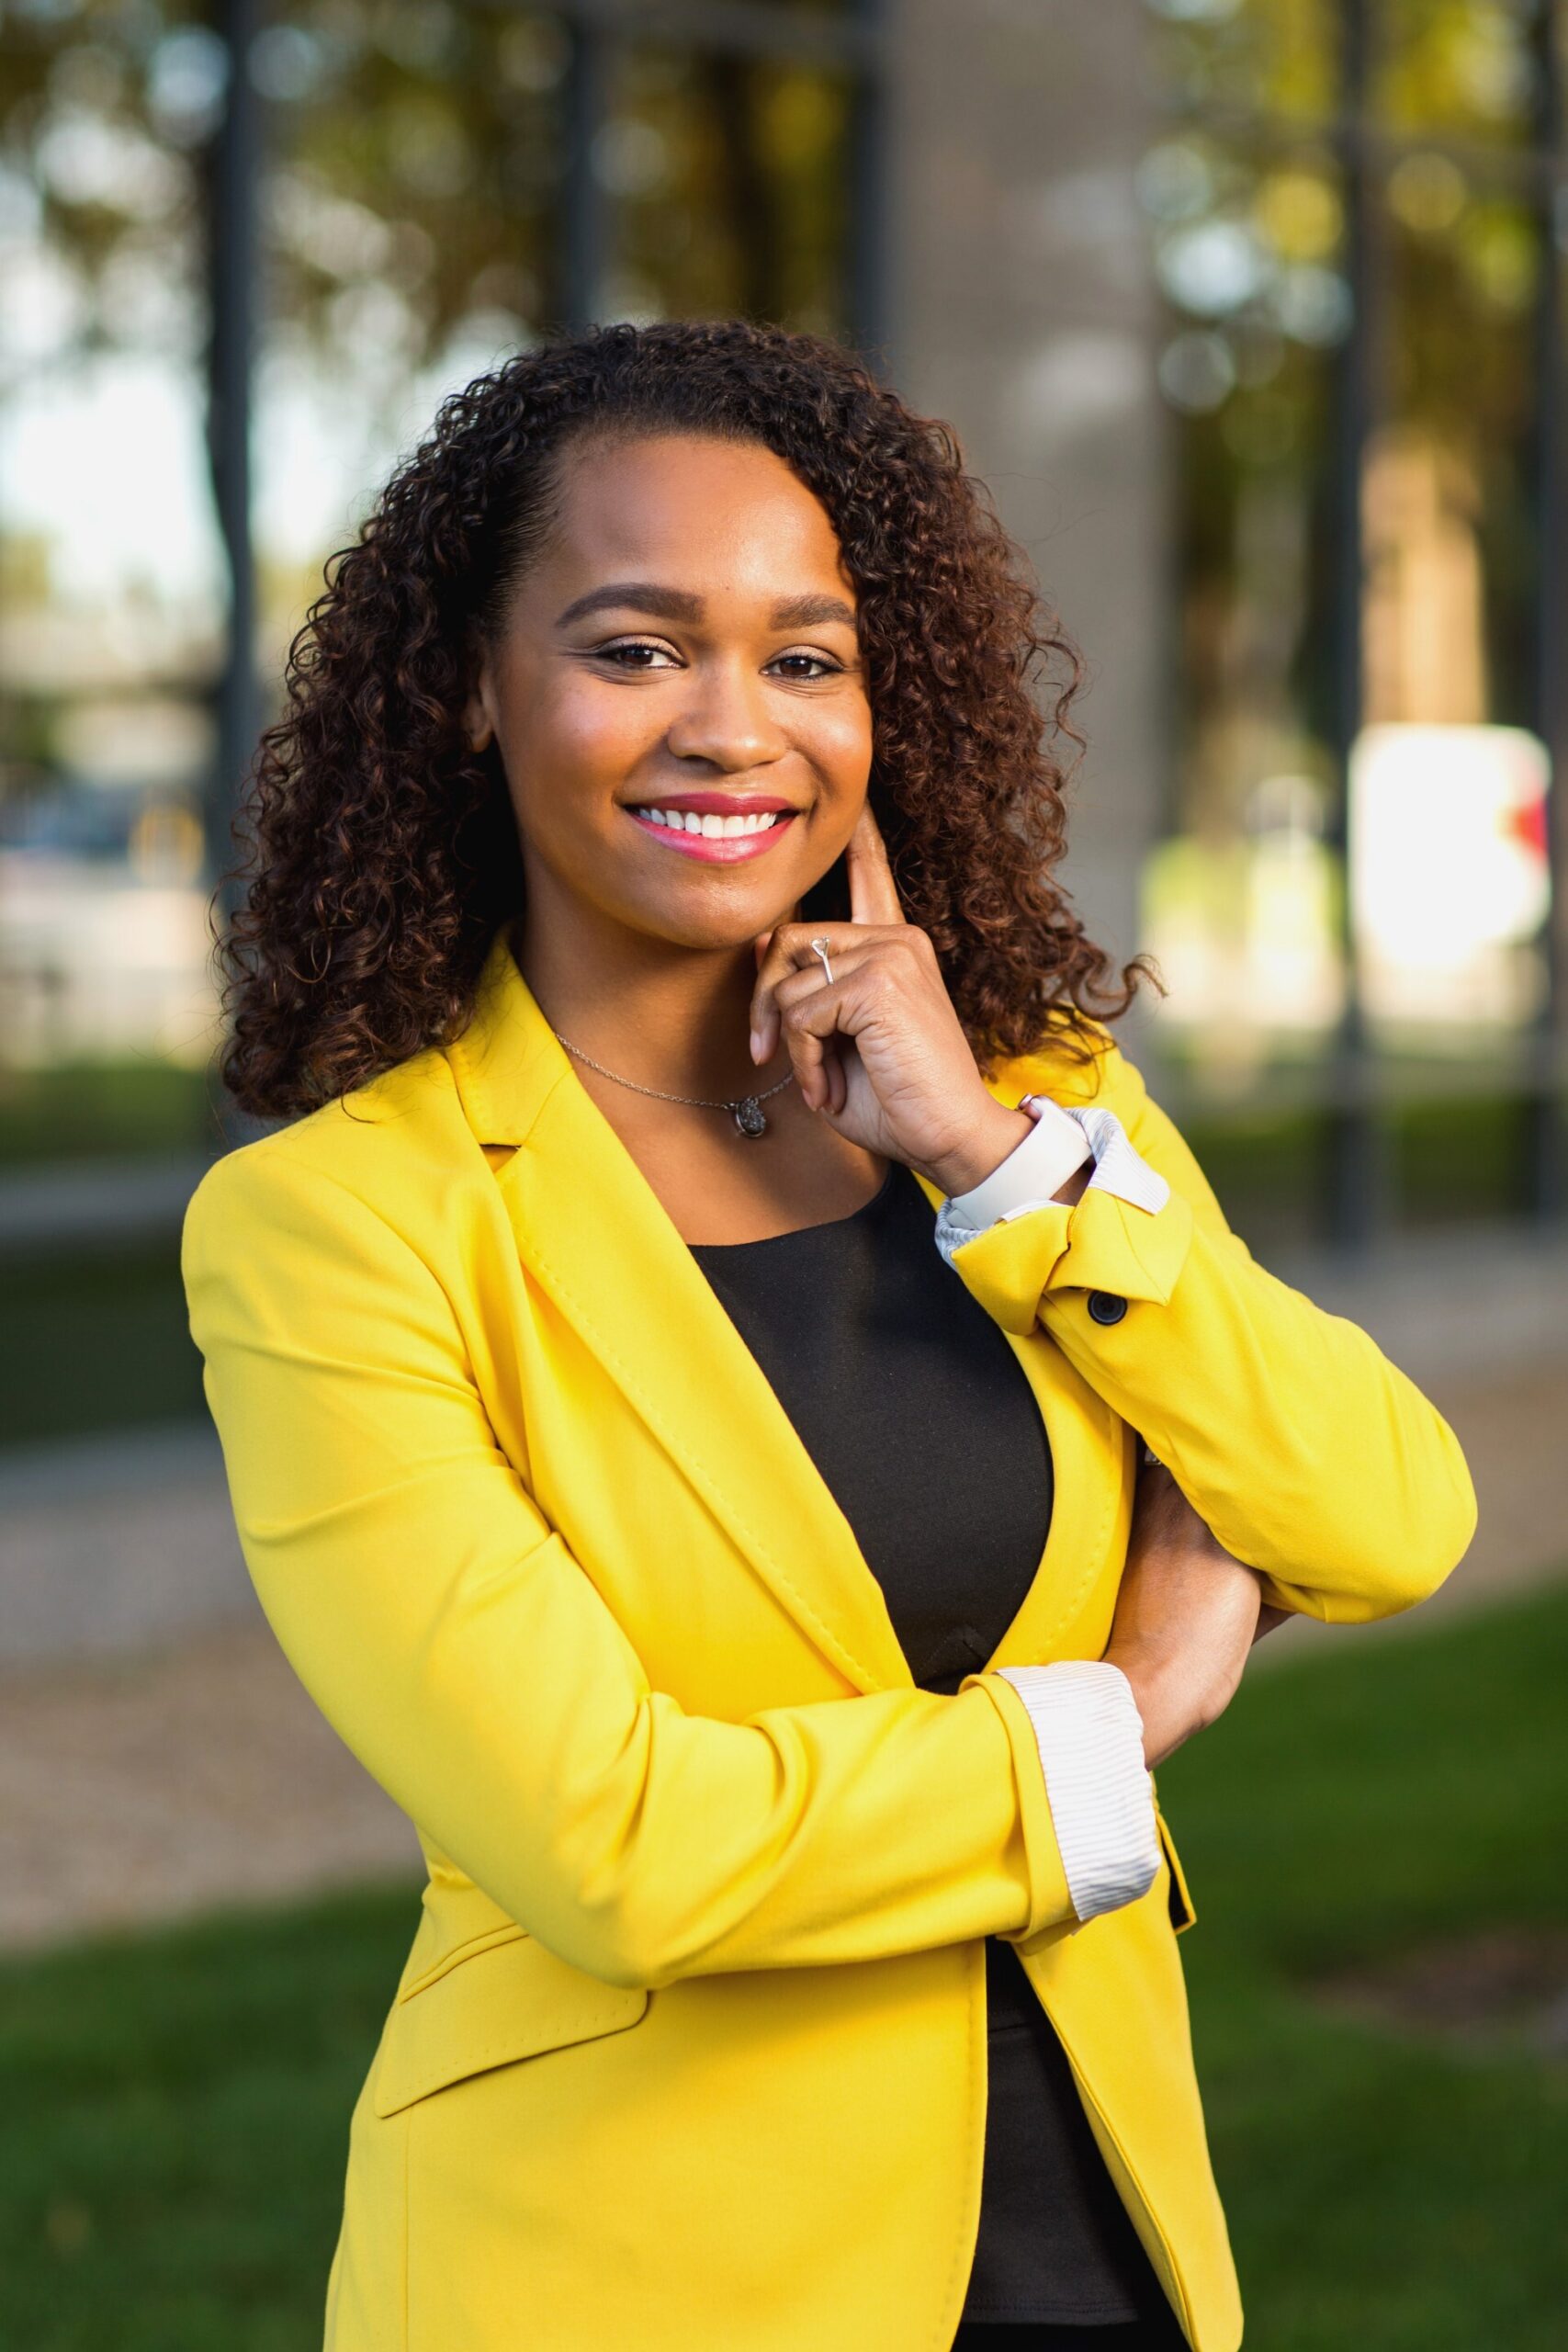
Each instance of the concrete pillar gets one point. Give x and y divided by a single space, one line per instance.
1023 311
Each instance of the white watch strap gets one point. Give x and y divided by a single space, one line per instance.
1090 1737
1036 1168
1118 1168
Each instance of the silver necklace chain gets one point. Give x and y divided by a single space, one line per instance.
746 1110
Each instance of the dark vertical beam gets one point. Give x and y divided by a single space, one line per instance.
234 209
231 271
1546 1146
749 195
867 260
585 218
1355 1171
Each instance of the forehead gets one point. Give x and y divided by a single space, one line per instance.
691 513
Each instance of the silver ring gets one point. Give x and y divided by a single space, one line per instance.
819 948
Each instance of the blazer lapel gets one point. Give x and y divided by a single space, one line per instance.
596 1237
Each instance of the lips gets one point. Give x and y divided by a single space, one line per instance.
720 827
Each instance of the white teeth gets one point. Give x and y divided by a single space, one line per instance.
687 821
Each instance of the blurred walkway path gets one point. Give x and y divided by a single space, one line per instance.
141 1788
157 1756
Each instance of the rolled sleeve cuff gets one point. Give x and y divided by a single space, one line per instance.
1118 1168
1030 1178
1091 1739
1128 1235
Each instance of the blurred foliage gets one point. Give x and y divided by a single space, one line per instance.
1280 55
1447 1162
1246 198
101 1110
1462 66
96 1339
415 165
104 112
413 146
728 176
1451 1162
173 2107
1452 65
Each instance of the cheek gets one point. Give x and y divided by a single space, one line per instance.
579 742
837 741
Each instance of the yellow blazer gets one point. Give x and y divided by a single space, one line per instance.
690 2047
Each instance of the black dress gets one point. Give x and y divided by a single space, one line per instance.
915 1409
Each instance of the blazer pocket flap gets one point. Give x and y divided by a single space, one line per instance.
502 2001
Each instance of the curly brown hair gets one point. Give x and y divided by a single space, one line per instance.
380 852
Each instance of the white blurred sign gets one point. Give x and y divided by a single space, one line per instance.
1449 875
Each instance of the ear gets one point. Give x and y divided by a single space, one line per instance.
479 713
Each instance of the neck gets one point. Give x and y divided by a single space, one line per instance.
661 1015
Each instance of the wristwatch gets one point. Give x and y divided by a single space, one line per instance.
1033 1172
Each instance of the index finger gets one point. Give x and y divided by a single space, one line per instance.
874 894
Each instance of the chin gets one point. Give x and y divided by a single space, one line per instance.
715 921
717 933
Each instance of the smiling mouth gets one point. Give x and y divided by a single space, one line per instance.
718 835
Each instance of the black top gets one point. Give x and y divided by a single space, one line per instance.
917 1414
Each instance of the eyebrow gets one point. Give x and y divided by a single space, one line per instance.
680 604
810 612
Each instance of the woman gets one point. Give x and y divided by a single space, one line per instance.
744 1581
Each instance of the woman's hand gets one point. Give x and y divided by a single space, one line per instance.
879 1052
1187 1616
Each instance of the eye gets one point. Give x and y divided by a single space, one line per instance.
633 653
812 666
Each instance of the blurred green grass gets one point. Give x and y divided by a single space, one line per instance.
1388 2191
173 2109
174 2112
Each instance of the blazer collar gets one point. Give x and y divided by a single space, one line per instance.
597 1237
508 1059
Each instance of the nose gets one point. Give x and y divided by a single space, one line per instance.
724 720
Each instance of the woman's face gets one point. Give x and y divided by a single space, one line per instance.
678 695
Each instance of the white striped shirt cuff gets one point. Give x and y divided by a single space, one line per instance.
1020 1184
1118 1168
1090 1737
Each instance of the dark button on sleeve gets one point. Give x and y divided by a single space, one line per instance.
1104 1306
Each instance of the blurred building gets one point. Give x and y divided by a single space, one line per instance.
1249 310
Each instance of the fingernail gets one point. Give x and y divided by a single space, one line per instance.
756 1045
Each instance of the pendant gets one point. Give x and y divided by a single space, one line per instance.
749 1116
